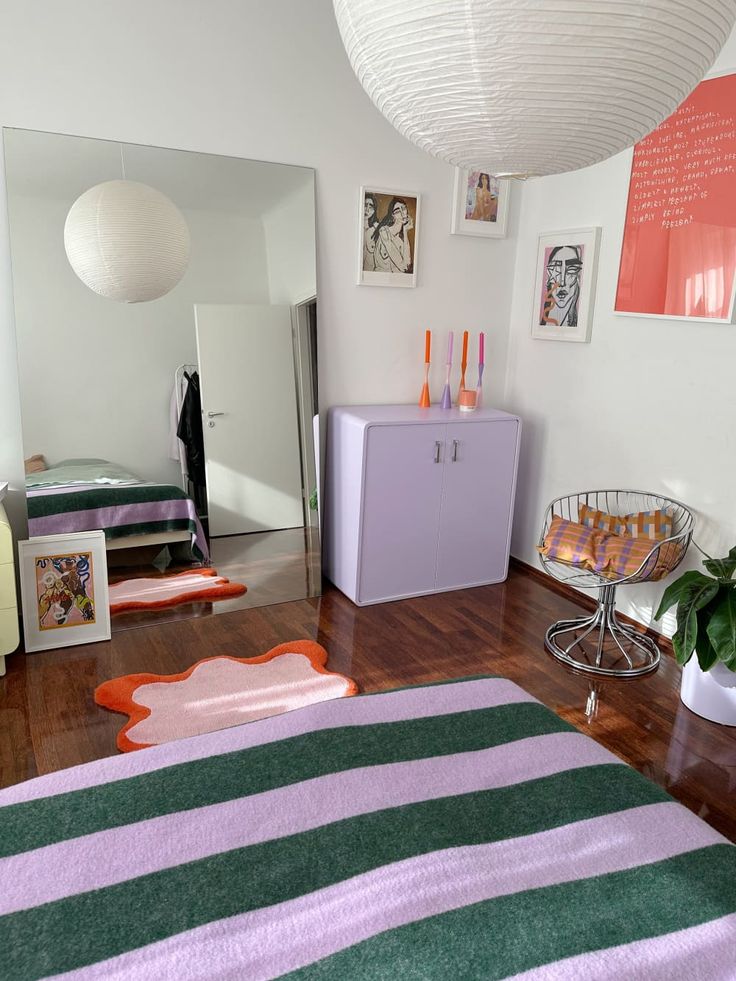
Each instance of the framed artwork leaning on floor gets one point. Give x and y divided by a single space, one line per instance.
63 580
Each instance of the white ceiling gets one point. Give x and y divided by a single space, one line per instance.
52 165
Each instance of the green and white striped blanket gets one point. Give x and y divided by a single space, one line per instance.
452 831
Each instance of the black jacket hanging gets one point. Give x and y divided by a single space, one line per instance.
190 433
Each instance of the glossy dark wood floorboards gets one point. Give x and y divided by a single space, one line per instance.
49 720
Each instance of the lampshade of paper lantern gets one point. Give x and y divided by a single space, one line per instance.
530 87
127 241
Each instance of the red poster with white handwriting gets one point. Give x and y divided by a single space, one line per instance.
678 257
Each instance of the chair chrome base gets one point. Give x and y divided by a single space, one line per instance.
630 655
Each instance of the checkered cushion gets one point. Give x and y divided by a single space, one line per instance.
611 556
654 525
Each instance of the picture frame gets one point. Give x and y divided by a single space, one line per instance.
564 285
477 209
388 235
678 249
64 594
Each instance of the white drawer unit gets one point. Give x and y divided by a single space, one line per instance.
9 634
418 500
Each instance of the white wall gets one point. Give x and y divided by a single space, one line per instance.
291 248
647 404
271 81
268 81
96 376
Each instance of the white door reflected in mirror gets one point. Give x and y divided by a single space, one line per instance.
246 359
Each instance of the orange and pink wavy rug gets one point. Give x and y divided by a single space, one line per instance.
159 592
219 692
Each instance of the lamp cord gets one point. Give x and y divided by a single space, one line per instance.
122 161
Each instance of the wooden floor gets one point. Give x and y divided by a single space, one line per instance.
49 720
276 566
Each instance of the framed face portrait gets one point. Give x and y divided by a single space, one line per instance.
388 223
564 289
480 204
63 580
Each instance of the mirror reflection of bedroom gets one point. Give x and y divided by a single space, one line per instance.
187 428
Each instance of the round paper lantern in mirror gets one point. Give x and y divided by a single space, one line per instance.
539 87
127 241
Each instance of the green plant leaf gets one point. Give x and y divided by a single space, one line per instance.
694 597
674 591
721 568
707 656
683 640
722 627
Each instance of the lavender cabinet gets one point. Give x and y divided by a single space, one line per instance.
417 500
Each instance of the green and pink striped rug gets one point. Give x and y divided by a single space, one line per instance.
456 830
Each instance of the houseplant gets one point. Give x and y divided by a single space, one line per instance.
706 627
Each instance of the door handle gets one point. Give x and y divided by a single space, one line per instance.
211 414
455 444
437 448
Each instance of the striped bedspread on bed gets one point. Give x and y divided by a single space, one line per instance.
452 831
120 510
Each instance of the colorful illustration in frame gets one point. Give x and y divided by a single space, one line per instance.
564 271
481 196
480 204
389 222
565 281
65 590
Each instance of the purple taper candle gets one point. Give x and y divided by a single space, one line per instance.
446 400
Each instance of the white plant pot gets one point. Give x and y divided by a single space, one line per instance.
710 694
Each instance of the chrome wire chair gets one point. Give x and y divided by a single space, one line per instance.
617 649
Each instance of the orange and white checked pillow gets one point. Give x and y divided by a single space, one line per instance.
611 556
654 525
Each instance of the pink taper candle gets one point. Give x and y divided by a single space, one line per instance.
449 347
482 349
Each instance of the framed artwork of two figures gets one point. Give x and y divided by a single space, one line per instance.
388 224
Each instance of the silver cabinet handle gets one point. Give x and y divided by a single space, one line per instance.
211 414
455 444
437 447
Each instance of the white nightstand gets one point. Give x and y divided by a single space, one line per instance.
9 636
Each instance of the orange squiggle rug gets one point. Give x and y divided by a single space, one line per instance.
163 591
219 692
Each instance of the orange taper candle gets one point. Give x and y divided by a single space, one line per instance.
427 345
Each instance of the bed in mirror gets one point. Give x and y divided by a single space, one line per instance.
183 426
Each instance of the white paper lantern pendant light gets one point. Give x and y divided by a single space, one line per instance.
530 87
127 241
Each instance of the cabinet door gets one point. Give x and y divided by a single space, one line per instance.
401 508
476 503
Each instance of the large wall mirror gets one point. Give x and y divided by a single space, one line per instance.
183 426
